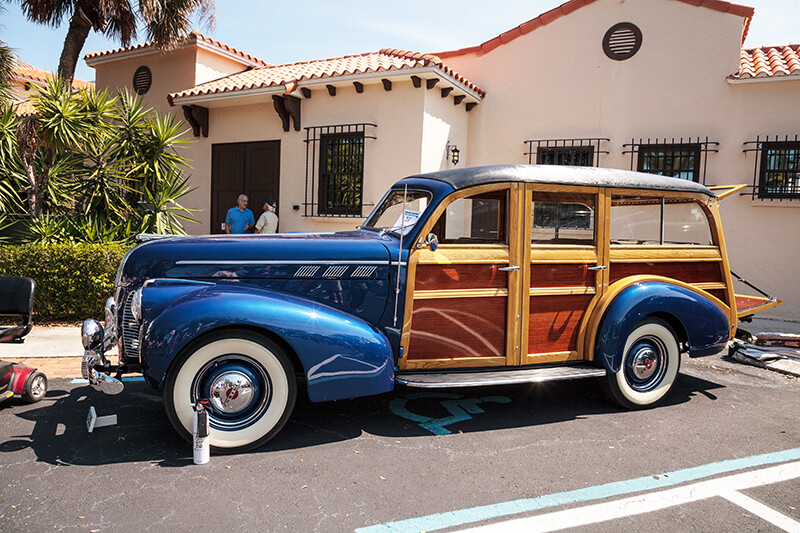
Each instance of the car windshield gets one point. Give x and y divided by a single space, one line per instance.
393 214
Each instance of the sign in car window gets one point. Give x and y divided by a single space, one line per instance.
407 221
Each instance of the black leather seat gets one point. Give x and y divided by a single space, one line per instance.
16 299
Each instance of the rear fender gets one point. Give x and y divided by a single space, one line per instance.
341 355
701 315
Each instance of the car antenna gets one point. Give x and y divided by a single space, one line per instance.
400 255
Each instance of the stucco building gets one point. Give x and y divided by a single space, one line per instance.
661 86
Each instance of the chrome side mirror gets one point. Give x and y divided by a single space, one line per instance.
432 242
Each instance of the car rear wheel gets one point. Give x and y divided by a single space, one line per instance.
248 381
650 363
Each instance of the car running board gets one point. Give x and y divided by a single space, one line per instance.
480 378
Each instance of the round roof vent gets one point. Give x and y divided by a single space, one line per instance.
622 41
142 79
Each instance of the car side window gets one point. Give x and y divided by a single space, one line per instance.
480 219
563 218
651 220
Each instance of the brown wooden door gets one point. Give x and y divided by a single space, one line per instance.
250 168
462 304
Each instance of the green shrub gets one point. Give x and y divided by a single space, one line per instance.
72 280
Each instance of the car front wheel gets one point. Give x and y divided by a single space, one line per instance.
248 381
650 363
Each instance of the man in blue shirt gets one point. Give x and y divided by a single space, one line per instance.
239 219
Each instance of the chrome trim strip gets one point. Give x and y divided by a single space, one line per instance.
363 272
306 271
277 262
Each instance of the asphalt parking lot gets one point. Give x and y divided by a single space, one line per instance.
508 458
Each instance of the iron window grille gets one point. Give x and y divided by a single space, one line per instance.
575 152
670 157
335 170
777 168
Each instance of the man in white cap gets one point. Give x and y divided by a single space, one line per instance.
268 221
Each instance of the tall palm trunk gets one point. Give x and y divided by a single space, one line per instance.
79 28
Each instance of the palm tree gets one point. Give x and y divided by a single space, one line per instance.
7 62
164 21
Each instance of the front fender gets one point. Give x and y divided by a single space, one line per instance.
342 356
705 323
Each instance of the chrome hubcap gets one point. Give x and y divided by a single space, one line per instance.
644 363
238 389
231 392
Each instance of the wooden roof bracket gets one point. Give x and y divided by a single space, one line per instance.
287 107
197 117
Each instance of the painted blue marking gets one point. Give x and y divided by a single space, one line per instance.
460 408
80 381
617 488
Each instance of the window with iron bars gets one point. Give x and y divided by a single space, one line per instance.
575 152
777 168
686 160
335 170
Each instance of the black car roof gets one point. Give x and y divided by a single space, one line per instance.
563 175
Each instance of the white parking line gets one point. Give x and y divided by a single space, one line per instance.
759 509
725 487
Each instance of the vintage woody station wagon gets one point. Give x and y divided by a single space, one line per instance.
490 275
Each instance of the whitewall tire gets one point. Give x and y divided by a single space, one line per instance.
248 380
650 363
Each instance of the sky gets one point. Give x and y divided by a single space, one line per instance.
285 32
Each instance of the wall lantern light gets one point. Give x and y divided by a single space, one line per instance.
453 152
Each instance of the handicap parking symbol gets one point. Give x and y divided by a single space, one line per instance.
460 409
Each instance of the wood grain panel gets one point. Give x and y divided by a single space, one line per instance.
458 328
444 277
554 321
563 254
463 253
654 253
720 294
697 272
558 275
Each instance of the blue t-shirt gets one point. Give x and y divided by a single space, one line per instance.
239 219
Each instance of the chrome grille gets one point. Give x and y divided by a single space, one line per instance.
130 330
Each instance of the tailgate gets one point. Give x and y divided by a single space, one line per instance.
747 305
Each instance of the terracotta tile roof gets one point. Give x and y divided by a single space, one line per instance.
769 62
289 75
573 5
193 38
24 108
28 72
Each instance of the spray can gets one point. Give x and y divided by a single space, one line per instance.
200 439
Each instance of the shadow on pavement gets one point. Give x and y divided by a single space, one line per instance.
143 433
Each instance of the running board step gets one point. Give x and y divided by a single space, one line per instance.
437 380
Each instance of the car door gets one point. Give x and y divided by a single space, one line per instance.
567 270
463 299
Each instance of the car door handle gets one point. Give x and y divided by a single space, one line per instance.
598 267
508 268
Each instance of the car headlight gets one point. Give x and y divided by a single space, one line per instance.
136 305
92 334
